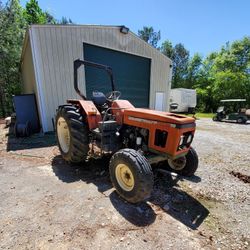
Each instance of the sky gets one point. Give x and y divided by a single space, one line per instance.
203 26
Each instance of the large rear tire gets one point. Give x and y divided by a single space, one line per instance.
186 165
72 134
131 175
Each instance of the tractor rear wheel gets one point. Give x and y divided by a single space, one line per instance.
185 165
72 134
131 175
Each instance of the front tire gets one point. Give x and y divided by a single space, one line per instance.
72 134
186 165
131 175
241 120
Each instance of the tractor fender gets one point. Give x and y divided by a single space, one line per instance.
90 110
118 107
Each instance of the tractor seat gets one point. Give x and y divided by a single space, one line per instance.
98 98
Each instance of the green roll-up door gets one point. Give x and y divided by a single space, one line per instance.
131 74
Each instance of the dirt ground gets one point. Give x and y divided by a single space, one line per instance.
47 204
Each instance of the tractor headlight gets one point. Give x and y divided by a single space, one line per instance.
185 140
189 139
181 140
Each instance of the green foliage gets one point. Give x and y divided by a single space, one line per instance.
33 13
221 75
49 18
180 58
229 71
12 32
64 21
149 35
180 65
13 23
167 49
194 73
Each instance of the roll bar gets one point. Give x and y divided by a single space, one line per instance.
78 63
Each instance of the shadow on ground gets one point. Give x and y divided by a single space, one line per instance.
166 197
179 204
33 141
96 172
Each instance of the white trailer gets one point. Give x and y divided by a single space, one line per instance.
182 100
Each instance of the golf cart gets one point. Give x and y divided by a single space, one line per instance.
232 110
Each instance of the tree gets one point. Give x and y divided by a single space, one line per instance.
194 74
180 65
180 58
167 49
64 21
13 23
12 32
241 52
231 71
33 13
49 18
225 74
149 35
204 85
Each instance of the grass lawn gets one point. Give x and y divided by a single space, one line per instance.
204 115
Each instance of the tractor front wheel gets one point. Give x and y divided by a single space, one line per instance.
185 165
72 134
131 175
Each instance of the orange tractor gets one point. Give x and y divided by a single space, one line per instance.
136 138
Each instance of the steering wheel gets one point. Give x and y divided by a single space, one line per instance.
113 95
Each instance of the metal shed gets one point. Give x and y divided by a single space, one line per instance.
142 73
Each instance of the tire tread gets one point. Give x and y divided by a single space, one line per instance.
79 143
145 179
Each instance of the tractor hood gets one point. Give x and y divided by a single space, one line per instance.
152 116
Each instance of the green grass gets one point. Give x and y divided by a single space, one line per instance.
204 115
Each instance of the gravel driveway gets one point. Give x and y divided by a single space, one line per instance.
47 204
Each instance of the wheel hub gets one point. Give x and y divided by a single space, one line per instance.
124 177
63 134
177 164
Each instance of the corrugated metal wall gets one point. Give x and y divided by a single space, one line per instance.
28 74
56 47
